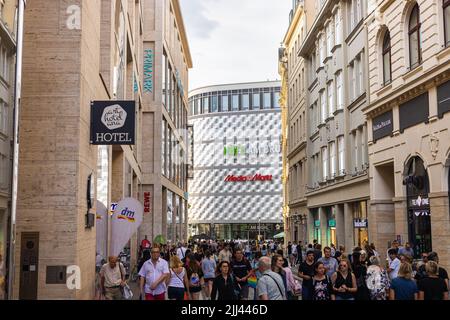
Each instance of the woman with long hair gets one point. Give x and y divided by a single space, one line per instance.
277 267
344 282
322 287
360 272
178 282
208 267
224 285
195 277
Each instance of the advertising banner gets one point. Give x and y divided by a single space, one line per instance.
102 228
126 220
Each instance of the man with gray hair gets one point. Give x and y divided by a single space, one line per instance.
270 285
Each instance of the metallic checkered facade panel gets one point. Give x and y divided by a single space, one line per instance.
257 134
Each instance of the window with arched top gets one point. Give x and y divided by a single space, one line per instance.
415 54
387 71
446 10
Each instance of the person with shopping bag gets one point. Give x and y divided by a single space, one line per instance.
112 279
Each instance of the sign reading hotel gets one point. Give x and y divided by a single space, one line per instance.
256 177
113 122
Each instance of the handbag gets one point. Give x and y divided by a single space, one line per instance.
297 288
127 293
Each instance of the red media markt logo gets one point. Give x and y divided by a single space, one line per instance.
256 177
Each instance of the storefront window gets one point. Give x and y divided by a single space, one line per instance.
419 214
331 232
360 227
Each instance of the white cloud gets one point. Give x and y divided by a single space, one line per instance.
234 40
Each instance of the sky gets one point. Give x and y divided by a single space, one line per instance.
233 41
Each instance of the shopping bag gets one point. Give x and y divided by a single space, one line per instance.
127 293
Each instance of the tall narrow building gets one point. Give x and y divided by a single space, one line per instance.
294 114
8 40
78 53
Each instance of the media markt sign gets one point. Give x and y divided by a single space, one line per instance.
113 122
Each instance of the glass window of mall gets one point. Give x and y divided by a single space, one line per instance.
235 100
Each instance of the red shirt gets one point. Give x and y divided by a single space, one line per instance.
145 244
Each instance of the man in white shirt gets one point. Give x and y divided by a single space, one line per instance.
154 273
394 264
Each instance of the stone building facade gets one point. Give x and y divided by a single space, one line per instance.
7 82
409 139
85 51
337 185
293 104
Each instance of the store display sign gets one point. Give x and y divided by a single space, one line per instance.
317 223
113 122
360 223
420 202
147 202
422 213
256 177
332 223
382 125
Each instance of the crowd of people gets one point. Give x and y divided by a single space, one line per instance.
211 270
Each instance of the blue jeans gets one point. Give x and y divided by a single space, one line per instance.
307 293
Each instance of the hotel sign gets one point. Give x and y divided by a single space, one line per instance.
113 122
382 125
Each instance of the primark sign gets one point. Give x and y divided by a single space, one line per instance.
113 122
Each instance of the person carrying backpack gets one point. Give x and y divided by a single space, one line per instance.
377 280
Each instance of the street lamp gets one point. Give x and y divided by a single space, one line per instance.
259 229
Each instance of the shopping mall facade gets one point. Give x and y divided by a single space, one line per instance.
235 189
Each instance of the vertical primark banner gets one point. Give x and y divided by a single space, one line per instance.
113 122
148 74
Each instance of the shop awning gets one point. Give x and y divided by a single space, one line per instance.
279 235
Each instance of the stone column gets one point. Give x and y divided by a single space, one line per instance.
348 228
340 225
401 218
381 217
310 226
324 241
440 226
